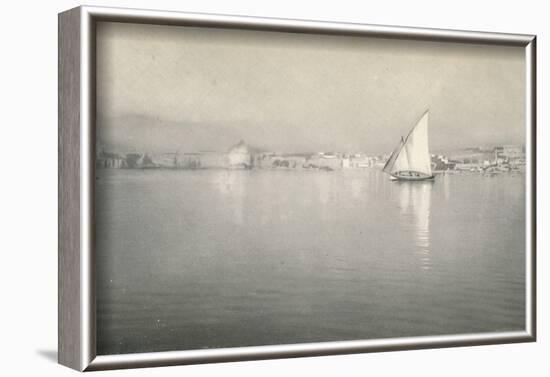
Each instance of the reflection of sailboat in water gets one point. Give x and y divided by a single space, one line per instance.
415 202
410 160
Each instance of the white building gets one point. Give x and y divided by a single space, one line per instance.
239 156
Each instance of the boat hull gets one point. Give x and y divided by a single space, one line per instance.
411 175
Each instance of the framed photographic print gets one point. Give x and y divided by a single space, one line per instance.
236 188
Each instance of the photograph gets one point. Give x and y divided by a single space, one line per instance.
243 189
261 188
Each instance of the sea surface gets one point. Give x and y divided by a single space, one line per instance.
192 259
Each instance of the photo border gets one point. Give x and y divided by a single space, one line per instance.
77 309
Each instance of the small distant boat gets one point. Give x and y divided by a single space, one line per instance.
411 160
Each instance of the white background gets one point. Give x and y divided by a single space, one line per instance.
28 185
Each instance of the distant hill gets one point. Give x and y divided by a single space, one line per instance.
138 133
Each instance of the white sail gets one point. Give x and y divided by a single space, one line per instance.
391 161
401 161
417 149
414 155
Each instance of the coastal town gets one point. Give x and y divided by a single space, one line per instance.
485 160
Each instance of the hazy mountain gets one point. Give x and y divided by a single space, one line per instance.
141 133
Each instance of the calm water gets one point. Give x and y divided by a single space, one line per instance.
201 259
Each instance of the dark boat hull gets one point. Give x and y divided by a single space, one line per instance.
410 175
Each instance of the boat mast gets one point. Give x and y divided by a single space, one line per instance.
412 153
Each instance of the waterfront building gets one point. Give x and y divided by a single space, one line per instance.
165 160
213 160
346 162
107 160
188 161
510 152
239 156
263 160
139 161
361 161
324 161
441 163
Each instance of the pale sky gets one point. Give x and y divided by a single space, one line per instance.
167 88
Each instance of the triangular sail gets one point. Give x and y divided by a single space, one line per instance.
413 153
401 161
416 146
391 161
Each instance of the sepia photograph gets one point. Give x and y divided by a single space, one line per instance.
257 188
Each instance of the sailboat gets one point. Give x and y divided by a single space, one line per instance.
411 160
